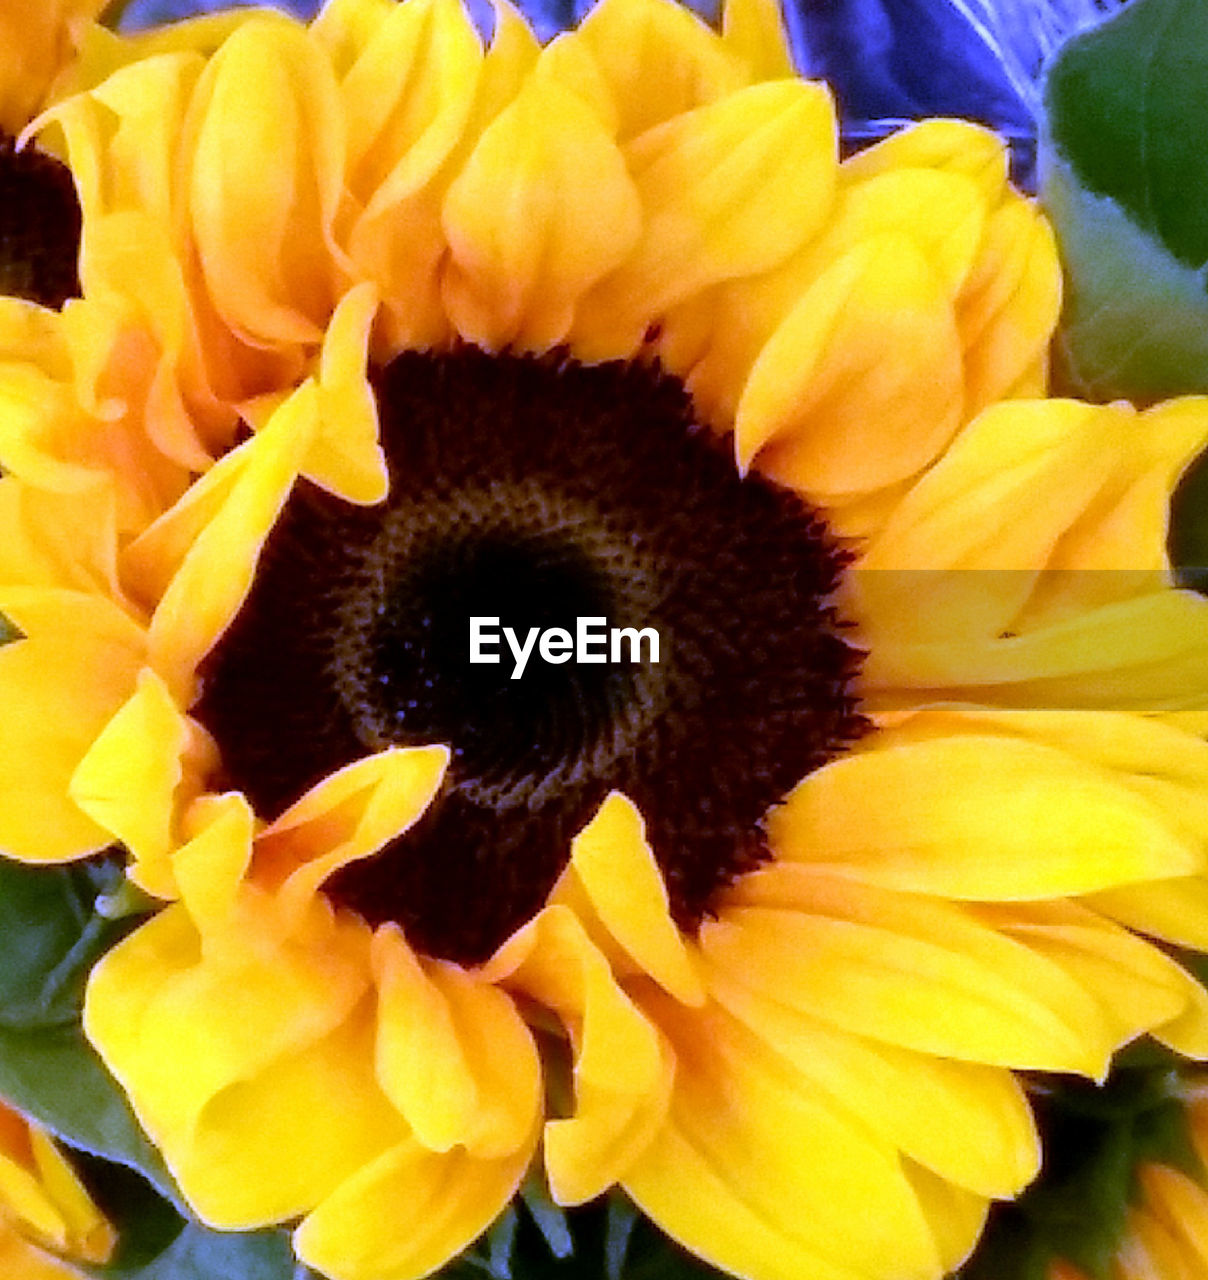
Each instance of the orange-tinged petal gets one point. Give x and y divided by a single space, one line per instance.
76 664
980 817
1181 1206
832 400
43 1199
622 1070
623 883
267 169
968 1123
906 969
351 814
748 1138
198 605
720 191
658 59
453 1054
449 1198
37 42
128 781
542 210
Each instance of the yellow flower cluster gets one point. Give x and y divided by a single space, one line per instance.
819 1081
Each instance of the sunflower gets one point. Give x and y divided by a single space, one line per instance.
44 1206
383 329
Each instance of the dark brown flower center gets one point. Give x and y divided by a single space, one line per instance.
39 226
552 502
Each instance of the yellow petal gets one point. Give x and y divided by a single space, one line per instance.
351 814
720 187
198 604
208 869
622 1070
980 817
968 1123
956 1216
448 1198
346 457
231 1060
755 31
453 1054
409 95
1009 306
542 210
128 780
1145 654
834 398
1137 986
50 539
658 59
1176 909
909 970
624 885
43 1198
1181 1206
60 685
267 169
750 1141
951 146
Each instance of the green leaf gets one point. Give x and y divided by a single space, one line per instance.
50 937
1124 177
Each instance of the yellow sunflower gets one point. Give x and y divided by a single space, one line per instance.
44 1207
385 329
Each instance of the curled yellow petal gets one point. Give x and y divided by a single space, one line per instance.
450 1198
351 814
453 1054
622 1069
198 605
129 781
622 881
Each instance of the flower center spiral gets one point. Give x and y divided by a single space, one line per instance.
39 226
532 494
